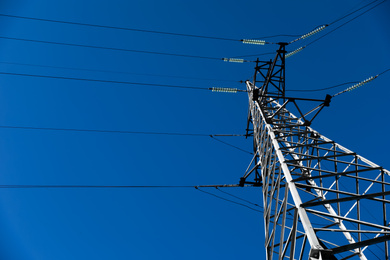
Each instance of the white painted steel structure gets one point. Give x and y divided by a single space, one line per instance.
321 200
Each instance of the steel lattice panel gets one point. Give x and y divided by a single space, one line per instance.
318 195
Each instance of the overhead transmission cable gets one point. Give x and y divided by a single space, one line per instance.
254 55
246 41
289 54
361 83
22 186
109 48
102 81
214 89
213 136
236 147
119 28
115 72
231 201
321 89
307 35
115 131
235 60
351 13
339 19
356 85
345 23
320 28
234 196
383 72
278 35
311 33
54 186
301 37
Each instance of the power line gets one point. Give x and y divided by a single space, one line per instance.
234 196
90 186
119 28
139 30
35 186
335 21
321 89
109 48
103 81
278 35
235 147
112 131
231 201
346 23
120 187
253 55
116 72
241 204
361 83
324 26
314 31
127 132
351 13
384 72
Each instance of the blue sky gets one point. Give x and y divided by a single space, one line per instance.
163 223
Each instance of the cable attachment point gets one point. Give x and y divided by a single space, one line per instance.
307 35
250 41
361 83
295 52
357 85
226 90
233 60
328 98
242 182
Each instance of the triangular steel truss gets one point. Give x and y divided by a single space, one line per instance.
321 200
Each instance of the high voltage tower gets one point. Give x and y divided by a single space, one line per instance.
321 200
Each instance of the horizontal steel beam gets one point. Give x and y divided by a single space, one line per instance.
368 242
355 197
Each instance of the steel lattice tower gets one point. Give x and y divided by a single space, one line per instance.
321 200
